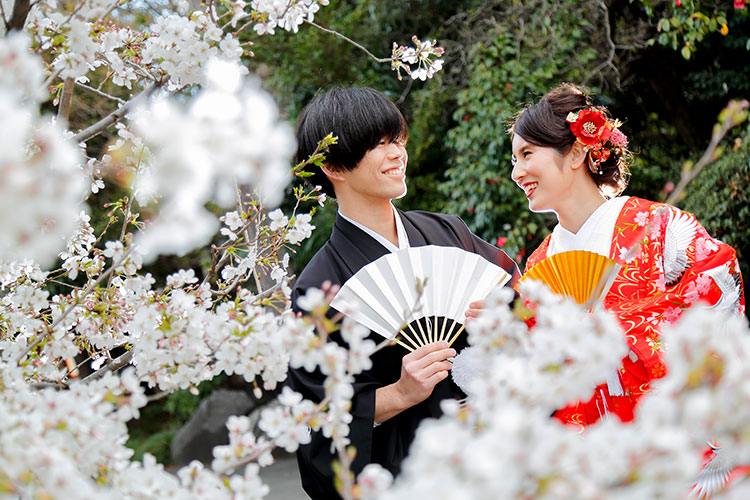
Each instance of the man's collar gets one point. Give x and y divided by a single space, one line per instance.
403 239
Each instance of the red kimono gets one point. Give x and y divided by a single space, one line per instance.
669 262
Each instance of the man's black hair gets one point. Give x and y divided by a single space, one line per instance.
359 116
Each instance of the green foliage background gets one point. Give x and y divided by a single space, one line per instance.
720 199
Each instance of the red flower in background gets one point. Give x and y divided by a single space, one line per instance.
501 241
739 4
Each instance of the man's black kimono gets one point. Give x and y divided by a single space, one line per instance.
348 250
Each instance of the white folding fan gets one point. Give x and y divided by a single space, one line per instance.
385 295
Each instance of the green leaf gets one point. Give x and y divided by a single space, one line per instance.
686 52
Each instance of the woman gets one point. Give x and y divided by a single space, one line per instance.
570 158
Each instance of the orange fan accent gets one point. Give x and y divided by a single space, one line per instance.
578 274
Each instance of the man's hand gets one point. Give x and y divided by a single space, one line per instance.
474 309
421 371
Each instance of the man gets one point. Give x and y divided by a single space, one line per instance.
364 171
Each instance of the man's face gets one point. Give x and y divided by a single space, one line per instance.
381 173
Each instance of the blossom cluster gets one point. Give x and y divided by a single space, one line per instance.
42 184
285 14
230 134
58 443
79 343
505 424
421 55
175 47
567 353
174 336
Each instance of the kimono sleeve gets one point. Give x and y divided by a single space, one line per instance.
676 265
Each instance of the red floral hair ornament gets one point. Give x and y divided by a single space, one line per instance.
599 136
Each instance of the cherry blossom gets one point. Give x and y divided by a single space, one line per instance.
42 183
230 133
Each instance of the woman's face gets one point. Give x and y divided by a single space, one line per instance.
542 174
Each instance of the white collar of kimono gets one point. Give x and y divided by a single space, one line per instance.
403 240
596 233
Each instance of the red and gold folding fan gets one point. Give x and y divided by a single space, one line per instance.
583 276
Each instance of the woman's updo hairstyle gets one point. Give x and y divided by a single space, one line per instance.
544 124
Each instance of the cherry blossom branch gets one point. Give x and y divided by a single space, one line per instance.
246 230
143 71
111 9
125 222
257 452
118 363
244 26
88 290
51 78
344 470
112 118
159 395
100 93
270 291
63 111
211 11
49 385
219 263
76 367
347 39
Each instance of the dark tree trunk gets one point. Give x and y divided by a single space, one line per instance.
17 20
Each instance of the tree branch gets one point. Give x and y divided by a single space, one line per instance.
609 62
63 111
18 18
51 328
5 19
336 33
100 93
707 157
115 365
112 118
406 91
